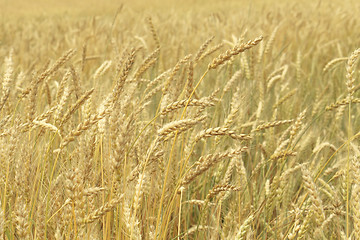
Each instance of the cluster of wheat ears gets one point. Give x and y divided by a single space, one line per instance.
111 131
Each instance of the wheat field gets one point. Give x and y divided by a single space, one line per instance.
179 119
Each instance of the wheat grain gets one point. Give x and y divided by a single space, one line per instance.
270 42
102 70
271 124
179 126
233 52
342 102
203 102
333 62
314 196
153 32
205 162
190 80
22 223
355 196
83 126
211 51
350 73
76 106
244 228
202 48
8 78
221 188
98 213
147 63
218 131
232 80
